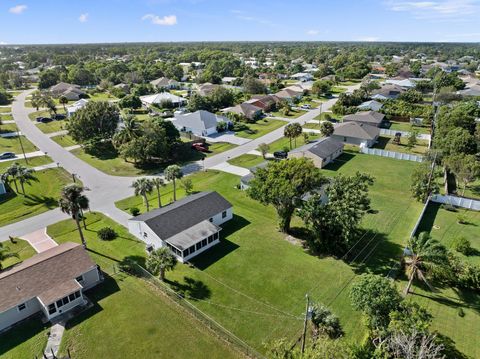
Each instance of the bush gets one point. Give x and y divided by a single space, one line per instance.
461 313
462 219
107 234
462 245
449 207
134 211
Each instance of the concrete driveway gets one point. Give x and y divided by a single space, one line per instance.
229 137
40 240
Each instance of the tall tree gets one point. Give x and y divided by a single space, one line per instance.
10 174
283 184
25 176
426 256
326 128
466 168
160 261
172 173
143 187
325 323
63 101
158 183
129 130
74 202
5 253
423 182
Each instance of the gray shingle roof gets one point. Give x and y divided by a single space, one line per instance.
357 130
181 215
369 117
323 148
201 120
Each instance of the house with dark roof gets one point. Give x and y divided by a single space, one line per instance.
70 91
245 109
387 91
51 283
321 152
355 133
187 227
289 94
164 82
371 118
265 102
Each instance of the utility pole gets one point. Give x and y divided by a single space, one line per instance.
21 145
305 323
320 116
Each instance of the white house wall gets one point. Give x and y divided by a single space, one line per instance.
13 315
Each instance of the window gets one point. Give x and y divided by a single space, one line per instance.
65 301
191 249
77 294
51 308
59 303
198 246
185 253
215 236
210 239
71 297
145 235
344 139
22 307
204 242
224 214
79 279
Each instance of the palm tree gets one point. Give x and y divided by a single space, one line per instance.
73 202
143 186
296 131
289 133
5 254
25 175
172 173
131 129
158 183
36 99
161 260
426 256
63 101
10 174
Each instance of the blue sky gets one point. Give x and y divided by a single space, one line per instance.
85 21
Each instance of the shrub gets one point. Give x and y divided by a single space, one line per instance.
462 219
134 211
461 313
107 234
462 245
449 207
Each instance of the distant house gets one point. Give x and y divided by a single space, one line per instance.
206 88
164 82
229 80
289 94
200 123
321 153
124 87
162 97
371 118
302 76
70 91
371 105
245 109
356 134
51 282
188 226
265 102
76 106
387 91
473 90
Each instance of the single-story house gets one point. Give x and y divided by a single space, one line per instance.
407 83
371 118
473 90
371 105
124 87
288 94
356 134
76 106
246 109
70 91
51 282
228 80
159 98
302 76
164 82
265 102
206 88
321 152
245 180
188 226
387 91
200 123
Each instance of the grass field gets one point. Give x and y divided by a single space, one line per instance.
7 109
22 248
407 127
284 142
261 128
12 144
32 162
292 114
7 117
64 140
8 127
386 143
247 161
102 96
53 126
40 196
45 113
24 340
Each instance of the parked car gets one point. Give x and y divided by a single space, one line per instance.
280 154
6 155
200 147
44 119
306 106
59 116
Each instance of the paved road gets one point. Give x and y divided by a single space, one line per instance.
102 189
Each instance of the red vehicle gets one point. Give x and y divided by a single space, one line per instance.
199 146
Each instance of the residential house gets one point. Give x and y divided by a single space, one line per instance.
371 118
165 83
70 91
473 90
289 94
229 80
387 91
206 88
371 105
356 134
124 87
245 109
302 76
187 227
51 283
76 106
200 123
321 152
162 97
265 102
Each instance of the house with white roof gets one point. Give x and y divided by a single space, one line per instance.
162 97
76 106
200 123
371 105
302 76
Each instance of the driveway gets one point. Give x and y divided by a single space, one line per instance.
229 137
40 240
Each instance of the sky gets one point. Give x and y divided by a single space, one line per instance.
99 21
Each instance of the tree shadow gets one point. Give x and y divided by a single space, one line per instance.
428 219
191 288
35 200
339 161
450 350
212 255
21 333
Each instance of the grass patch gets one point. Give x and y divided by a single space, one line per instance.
64 140
261 128
7 109
407 127
284 143
8 127
247 160
53 126
219 147
40 196
292 114
12 144
45 113
26 340
102 96
20 247
338 90
6 117
32 162
386 143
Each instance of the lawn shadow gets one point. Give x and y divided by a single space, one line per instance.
22 332
428 219
34 200
450 350
191 288
469 297
339 162
210 256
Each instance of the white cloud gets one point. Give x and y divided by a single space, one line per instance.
440 9
368 39
83 17
18 9
3 43
313 32
168 20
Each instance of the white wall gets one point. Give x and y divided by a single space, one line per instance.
12 315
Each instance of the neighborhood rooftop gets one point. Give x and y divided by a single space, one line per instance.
323 148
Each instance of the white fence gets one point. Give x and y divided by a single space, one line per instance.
420 136
457 201
391 154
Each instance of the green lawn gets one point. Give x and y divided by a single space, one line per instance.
140 321
407 127
45 113
313 104
8 127
53 126
22 248
253 253
284 142
6 117
220 147
25 340
5 109
247 161
12 144
32 162
386 143
292 114
40 196
261 127
64 140
338 90
102 96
